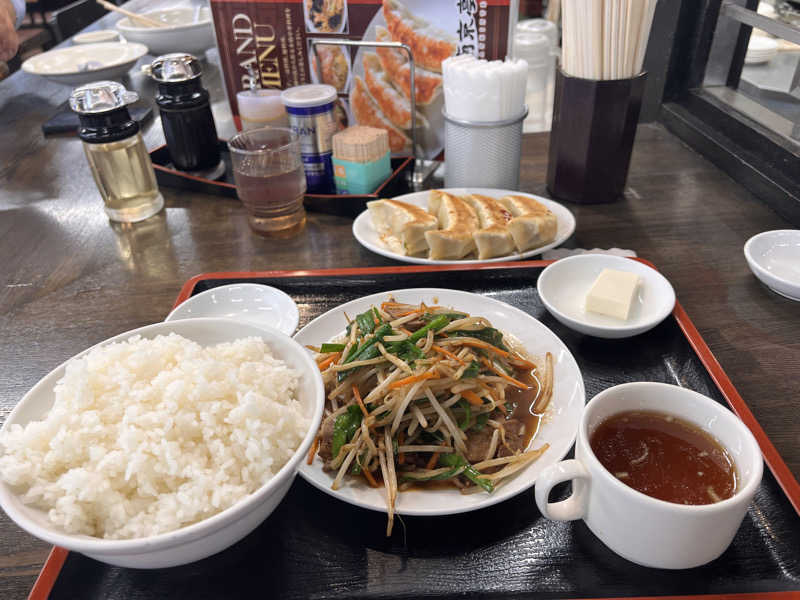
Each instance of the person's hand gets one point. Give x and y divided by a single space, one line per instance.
9 42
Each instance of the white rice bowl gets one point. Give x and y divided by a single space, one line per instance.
149 435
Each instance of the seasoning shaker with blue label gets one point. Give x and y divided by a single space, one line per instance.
310 109
186 115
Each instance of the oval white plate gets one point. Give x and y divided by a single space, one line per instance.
564 284
558 428
63 65
774 257
249 302
366 235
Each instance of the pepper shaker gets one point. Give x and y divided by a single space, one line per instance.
186 116
116 152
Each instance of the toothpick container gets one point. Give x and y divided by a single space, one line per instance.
482 154
594 125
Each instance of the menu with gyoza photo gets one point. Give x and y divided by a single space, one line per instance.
273 37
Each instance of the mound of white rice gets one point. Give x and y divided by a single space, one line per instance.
149 435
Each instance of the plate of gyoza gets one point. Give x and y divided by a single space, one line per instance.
463 225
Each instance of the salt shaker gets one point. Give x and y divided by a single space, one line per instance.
116 152
186 115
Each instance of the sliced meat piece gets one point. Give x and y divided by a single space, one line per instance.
325 450
478 444
514 439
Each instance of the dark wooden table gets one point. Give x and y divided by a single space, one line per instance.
70 278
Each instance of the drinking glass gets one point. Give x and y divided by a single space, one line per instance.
270 180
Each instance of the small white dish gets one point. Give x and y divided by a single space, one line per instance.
213 534
774 257
185 30
75 65
248 302
96 37
367 236
564 284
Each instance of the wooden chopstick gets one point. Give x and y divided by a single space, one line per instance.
131 15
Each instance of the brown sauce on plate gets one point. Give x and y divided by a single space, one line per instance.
524 403
665 458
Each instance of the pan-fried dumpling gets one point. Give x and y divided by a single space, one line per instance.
458 221
429 46
392 103
493 238
427 85
533 225
367 112
401 226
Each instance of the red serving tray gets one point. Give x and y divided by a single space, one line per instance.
790 486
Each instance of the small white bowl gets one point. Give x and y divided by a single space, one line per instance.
181 32
774 257
250 302
208 536
564 284
96 37
76 65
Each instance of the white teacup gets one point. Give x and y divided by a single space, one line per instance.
645 530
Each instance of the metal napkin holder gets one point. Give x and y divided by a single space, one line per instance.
423 168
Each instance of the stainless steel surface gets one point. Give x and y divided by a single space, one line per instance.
750 17
174 67
100 97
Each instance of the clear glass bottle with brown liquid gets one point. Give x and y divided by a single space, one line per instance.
116 152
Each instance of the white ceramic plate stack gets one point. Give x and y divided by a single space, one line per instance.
761 49
366 235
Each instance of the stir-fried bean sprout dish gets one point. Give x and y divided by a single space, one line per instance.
421 396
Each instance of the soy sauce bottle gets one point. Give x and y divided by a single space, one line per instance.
186 115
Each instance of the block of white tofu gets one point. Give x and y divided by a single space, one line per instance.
612 293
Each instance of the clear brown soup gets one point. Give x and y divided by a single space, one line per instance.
665 458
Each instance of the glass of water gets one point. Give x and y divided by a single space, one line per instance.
270 180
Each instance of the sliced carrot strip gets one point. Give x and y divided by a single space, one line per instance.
413 379
370 479
447 353
432 462
485 346
329 361
471 397
501 373
312 451
357 396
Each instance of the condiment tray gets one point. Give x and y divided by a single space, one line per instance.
314 546
337 204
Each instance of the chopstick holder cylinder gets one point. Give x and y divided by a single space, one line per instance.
594 126
482 153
